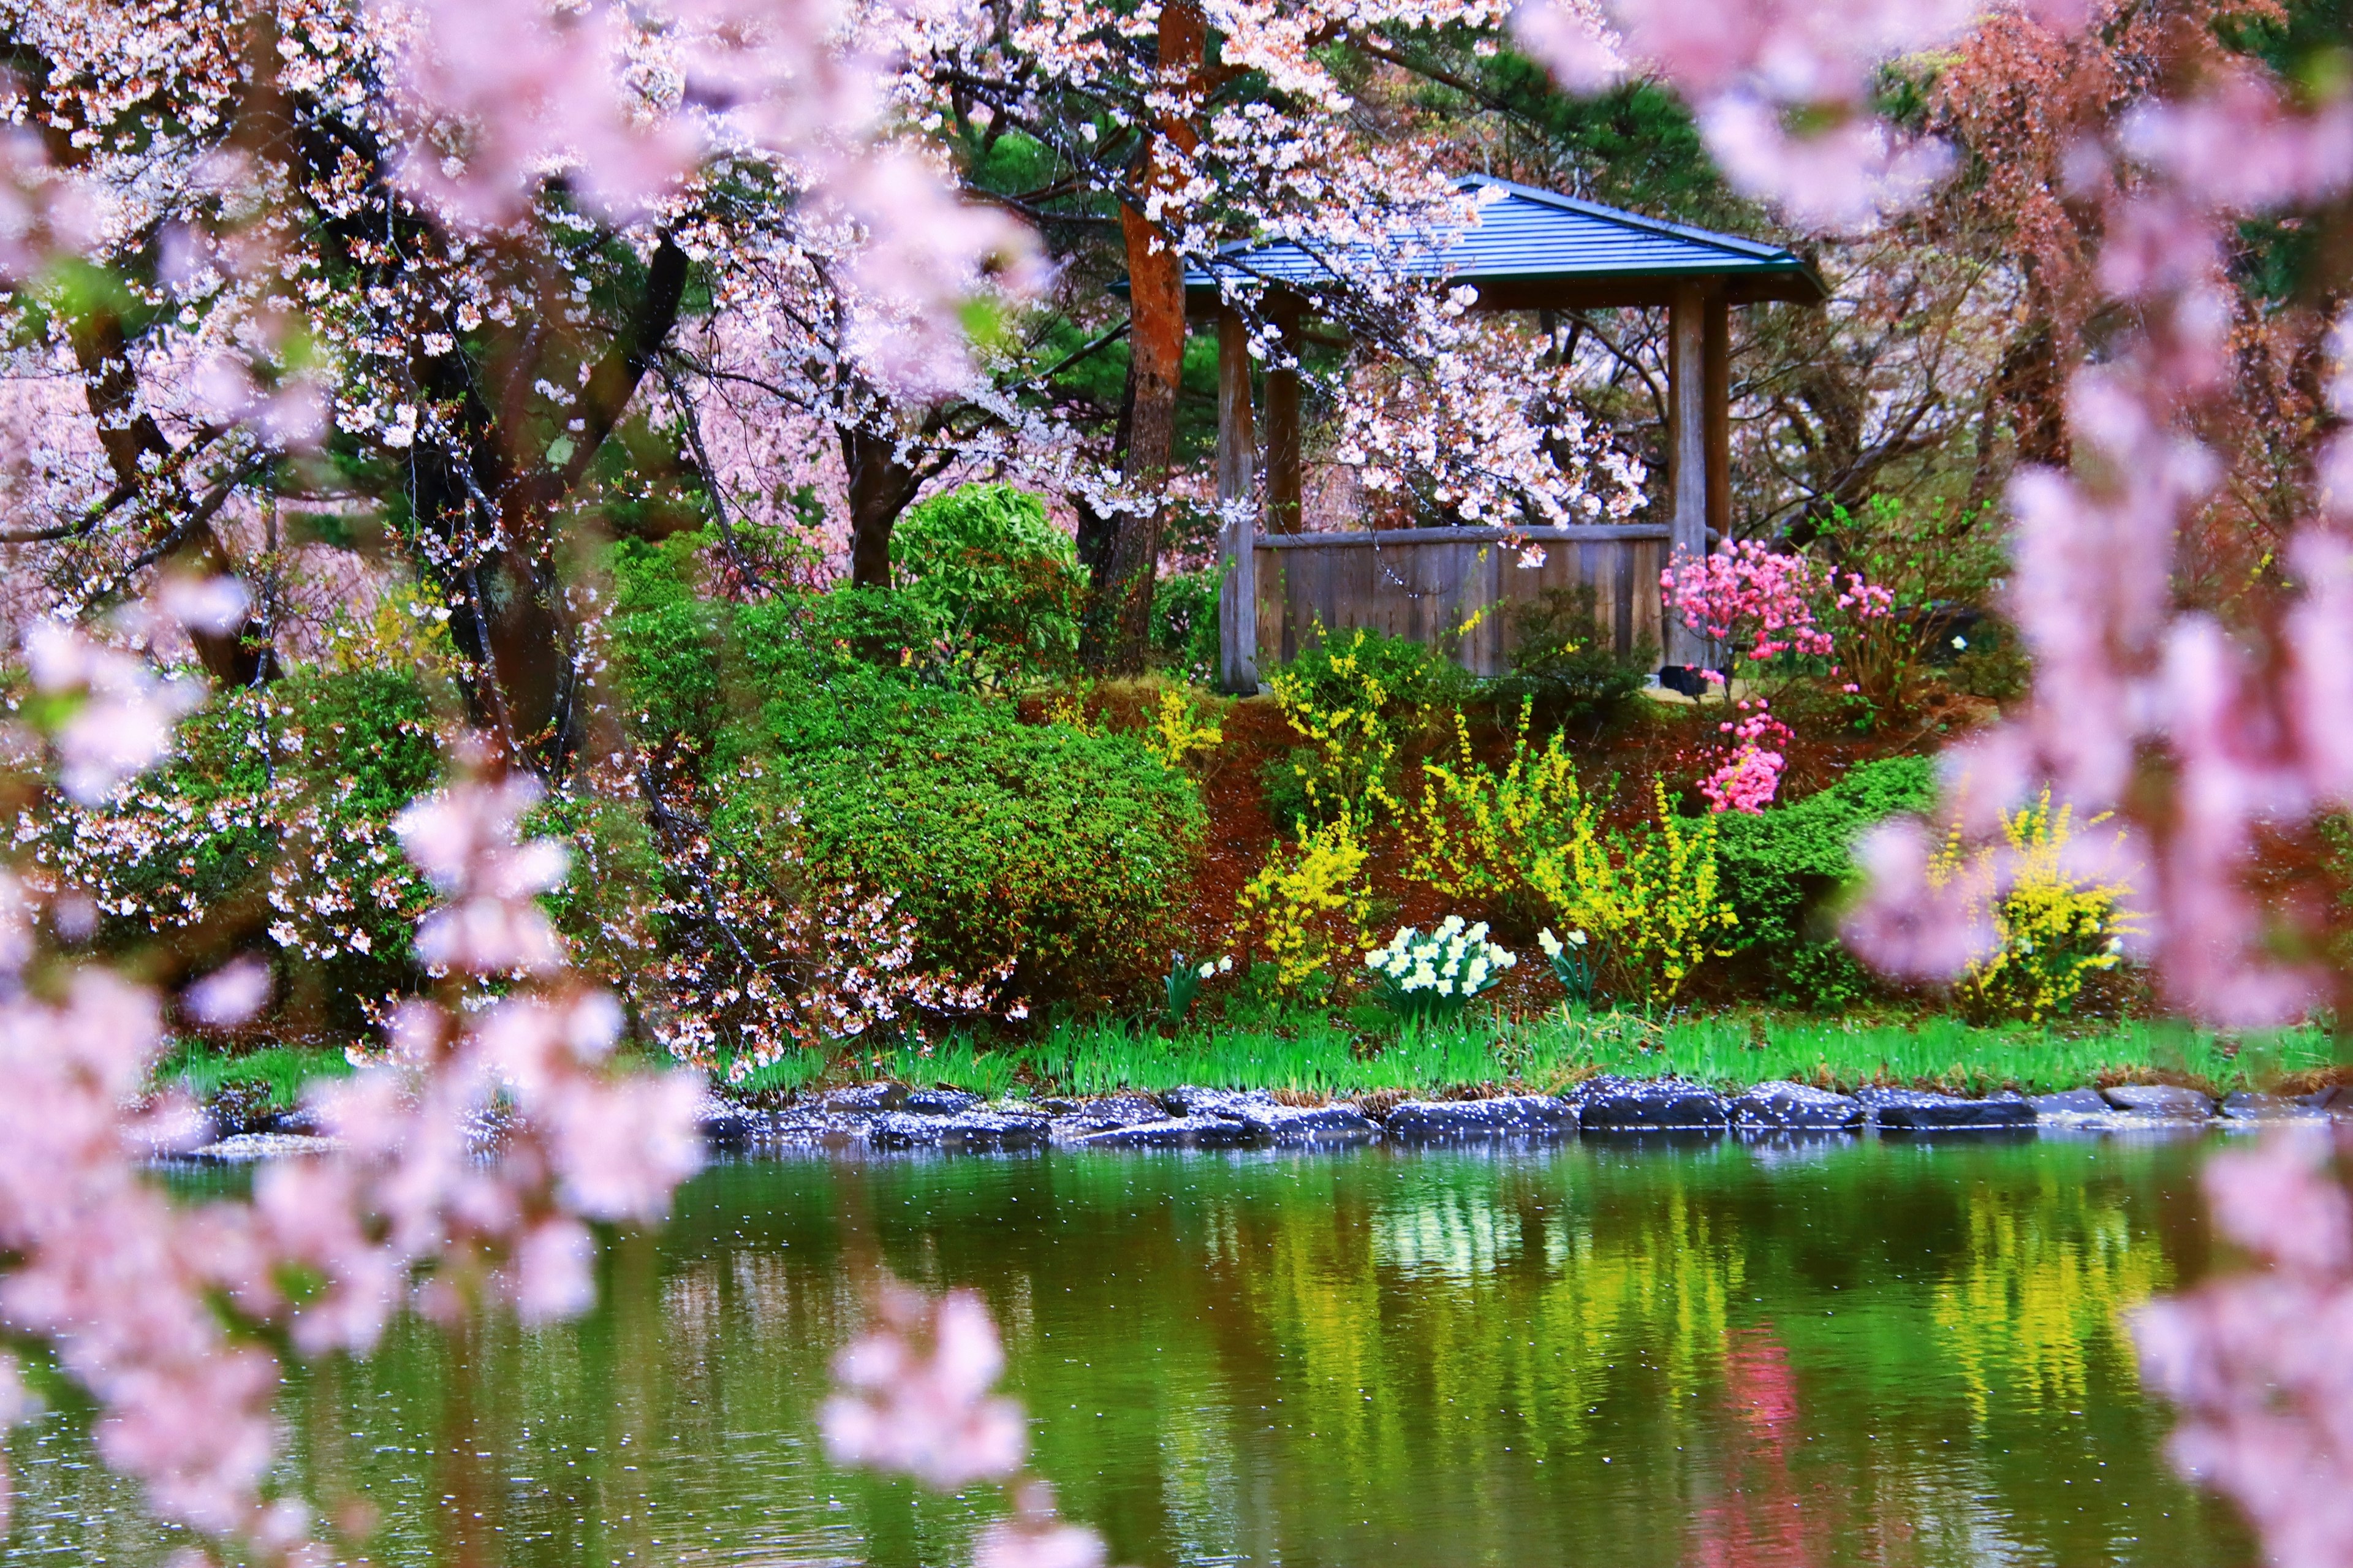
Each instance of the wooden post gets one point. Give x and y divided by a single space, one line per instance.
1715 362
1237 529
1282 489
1687 457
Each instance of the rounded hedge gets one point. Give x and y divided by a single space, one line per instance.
1067 853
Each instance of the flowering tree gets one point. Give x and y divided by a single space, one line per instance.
270 247
2202 730
446 244
1197 126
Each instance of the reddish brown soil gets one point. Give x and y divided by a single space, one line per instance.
1617 759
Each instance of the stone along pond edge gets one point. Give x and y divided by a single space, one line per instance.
892 1117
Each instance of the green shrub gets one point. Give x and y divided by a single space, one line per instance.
1780 868
1002 581
1185 625
1565 662
1066 853
1334 670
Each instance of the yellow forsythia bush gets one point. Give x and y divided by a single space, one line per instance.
1353 740
1650 902
1174 736
1531 840
1309 901
1473 832
2054 927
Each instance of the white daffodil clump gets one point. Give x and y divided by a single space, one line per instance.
1419 975
1572 961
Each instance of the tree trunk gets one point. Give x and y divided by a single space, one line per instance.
241 655
1097 529
508 611
879 489
1118 628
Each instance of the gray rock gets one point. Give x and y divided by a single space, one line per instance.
1916 1110
2070 1105
1648 1105
964 1130
1794 1106
242 1106
939 1101
1314 1124
2247 1106
1510 1116
302 1121
248 1148
812 1126
2337 1101
1271 1120
1176 1133
1192 1099
727 1125
1111 1110
861 1098
2163 1102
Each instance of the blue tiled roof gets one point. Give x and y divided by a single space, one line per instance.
1528 235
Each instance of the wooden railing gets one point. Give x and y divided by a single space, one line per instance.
1451 588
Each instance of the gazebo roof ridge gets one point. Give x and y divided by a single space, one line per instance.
1534 248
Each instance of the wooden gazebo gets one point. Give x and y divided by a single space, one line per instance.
1530 250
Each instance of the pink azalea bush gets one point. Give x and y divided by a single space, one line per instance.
1756 602
1751 775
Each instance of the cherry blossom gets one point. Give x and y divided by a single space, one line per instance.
915 1394
913 1397
2256 1359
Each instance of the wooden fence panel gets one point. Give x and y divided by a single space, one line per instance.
1452 587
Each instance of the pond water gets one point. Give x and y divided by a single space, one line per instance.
1864 1352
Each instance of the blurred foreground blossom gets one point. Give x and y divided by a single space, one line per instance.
151 1304
231 995
1782 88
1034 1538
110 713
915 1394
915 1399
2259 1361
464 840
1904 924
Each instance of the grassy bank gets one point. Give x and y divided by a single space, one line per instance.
1313 1055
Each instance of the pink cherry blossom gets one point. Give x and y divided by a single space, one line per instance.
464 841
120 709
2256 1359
1904 923
231 995
913 1398
915 1394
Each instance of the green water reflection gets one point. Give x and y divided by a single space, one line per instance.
1870 1352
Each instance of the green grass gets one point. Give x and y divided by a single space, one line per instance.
1312 1053
1318 1055
285 1070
